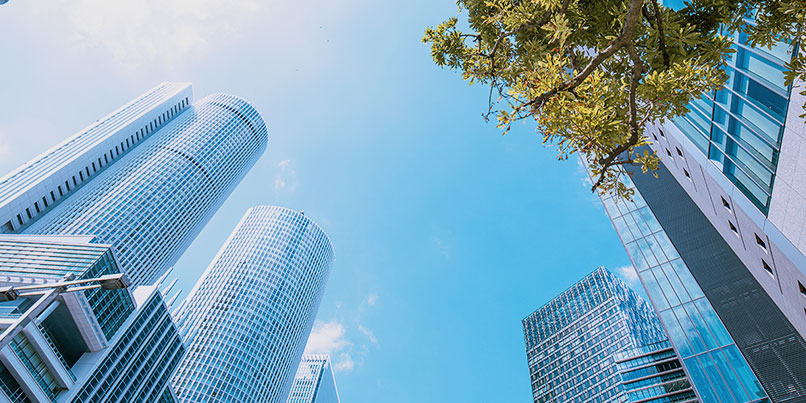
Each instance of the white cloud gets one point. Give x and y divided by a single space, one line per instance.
629 275
330 338
142 32
327 338
370 335
344 363
286 179
372 299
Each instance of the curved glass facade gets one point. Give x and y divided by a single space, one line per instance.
249 316
153 202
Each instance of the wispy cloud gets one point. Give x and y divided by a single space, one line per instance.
629 275
344 363
370 335
372 299
443 241
286 179
330 338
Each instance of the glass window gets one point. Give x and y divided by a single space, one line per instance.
697 345
712 371
676 333
743 371
713 322
730 377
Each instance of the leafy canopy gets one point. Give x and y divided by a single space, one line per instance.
592 73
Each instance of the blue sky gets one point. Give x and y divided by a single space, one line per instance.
446 233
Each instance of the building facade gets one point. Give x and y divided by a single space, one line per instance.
82 346
153 202
738 156
572 340
314 381
127 194
33 189
248 318
720 230
144 179
654 373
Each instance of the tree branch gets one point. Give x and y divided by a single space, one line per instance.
661 34
637 70
623 39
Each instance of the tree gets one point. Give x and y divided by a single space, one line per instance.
592 73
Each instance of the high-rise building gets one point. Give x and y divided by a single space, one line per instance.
571 341
144 179
127 194
248 318
722 229
82 346
40 184
314 382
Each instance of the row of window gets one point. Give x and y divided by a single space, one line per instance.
48 200
760 242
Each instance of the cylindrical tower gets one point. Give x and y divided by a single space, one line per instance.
151 204
248 318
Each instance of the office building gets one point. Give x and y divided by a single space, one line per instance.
248 318
717 236
144 179
79 345
314 382
653 373
571 341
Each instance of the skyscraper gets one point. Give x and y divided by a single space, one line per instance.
717 237
314 382
248 318
33 189
145 179
81 346
127 194
571 340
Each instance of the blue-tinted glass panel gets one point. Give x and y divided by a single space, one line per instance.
687 325
730 377
701 380
743 371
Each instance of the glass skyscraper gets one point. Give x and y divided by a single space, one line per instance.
127 194
154 201
314 382
248 318
571 340
718 237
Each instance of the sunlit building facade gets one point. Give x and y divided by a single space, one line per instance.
314 382
248 318
571 341
721 230
83 346
152 202
654 373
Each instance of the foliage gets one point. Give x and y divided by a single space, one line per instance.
592 73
